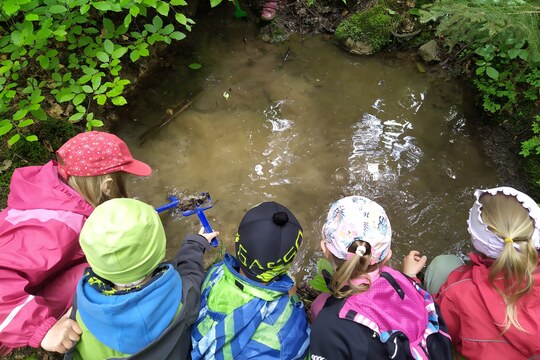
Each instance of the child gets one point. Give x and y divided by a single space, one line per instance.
129 302
374 312
246 311
40 257
492 305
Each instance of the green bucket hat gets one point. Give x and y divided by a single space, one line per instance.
123 240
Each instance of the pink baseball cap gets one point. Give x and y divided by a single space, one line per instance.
98 153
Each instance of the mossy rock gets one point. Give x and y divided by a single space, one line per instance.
51 134
368 31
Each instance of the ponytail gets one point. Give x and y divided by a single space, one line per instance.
506 217
355 266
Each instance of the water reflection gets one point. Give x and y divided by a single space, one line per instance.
305 132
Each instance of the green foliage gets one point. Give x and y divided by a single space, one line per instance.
318 282
373 26
24 153
503 39
532 146
71 52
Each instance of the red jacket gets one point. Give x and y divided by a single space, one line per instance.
40 257
474 312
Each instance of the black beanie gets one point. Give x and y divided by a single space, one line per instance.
267 241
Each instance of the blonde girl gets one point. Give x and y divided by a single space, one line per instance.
40 256
372 311
492 304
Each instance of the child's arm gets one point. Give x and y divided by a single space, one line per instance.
189 260
413 263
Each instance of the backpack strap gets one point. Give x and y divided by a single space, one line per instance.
74 307
393 283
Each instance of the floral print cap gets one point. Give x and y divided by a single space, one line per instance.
357 218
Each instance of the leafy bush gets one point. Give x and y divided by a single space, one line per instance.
70 52
503 40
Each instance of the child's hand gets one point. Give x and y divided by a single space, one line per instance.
413 263
208 236
61 336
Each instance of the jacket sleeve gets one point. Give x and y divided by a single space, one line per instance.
450 314
189 262
31 298
25 318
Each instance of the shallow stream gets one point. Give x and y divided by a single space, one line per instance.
303 123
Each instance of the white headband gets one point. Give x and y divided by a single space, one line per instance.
486 241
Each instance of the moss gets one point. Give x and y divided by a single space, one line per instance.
51 134
532 169
373 26
273 32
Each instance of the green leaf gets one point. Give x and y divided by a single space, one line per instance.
119 101
64 96
96 123
119 52
178 2
19 114
78 99
102 56
10 7
31 138
57 9
181 18
109 26
5 127
157 22
76 117
177 35
13 139
168 29
32 17
44 61
134 11
195 66
102 5
134 55
319 282
162 8
492 73
100 99
16 38
109 47
39 114
87 89
96 81
25 123
84 9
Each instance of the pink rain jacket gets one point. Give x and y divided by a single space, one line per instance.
473 311
40 257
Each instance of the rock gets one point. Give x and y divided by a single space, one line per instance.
429 52
358 47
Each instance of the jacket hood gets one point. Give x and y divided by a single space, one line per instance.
129 322
39 187
528 308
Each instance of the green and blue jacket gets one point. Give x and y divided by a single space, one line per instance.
244 319
151 321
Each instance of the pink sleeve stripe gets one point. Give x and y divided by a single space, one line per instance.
72 220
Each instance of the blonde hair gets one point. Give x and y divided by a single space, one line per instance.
506 217
356 266
90 187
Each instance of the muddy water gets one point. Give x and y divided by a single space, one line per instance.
303 123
